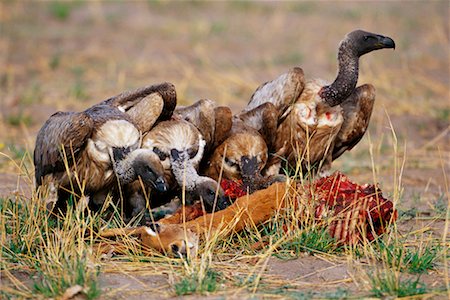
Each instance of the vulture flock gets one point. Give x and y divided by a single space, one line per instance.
140 147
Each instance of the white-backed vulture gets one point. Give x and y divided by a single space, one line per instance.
180 146
244 152
146 107
320 121
90 152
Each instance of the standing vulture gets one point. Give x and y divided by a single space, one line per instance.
89 152
320 121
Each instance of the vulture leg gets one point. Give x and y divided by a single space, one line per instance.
357 111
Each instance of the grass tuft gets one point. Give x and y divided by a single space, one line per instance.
311 240
194 284
416 259
389 283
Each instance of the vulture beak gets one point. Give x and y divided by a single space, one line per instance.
161 185
119 153
222 202
249 166
385 42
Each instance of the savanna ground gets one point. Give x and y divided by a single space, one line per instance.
68 56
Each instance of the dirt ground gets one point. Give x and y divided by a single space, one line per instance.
68 56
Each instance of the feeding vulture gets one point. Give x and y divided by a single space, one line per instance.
244 153
91 151
180 144
320 121
85 151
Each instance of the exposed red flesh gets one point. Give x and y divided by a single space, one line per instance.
350 211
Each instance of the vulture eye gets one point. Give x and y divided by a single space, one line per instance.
212 192
368 37
230 162
161 155
191 152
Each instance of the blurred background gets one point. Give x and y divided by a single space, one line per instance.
70 55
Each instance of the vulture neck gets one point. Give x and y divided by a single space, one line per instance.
185 174
347 77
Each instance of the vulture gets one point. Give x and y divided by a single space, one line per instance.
90 152
94 150
244 153
180 144
320 121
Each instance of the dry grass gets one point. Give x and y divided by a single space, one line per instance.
67 56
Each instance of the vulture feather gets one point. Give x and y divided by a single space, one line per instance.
147 105
213 122
320 121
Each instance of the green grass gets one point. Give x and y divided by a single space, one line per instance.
19 119
73 270
311 240
418 259
389 284
339 293
441 206
60 9
194 284
55 249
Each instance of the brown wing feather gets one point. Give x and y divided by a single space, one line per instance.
264 119
282 91
201 115
357 111
146 112
129 99
67 129
223 123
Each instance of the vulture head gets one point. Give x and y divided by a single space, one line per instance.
149 168
354 45
210 194
363 42
197 187
144 164
243 154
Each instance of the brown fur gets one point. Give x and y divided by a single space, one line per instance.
245 211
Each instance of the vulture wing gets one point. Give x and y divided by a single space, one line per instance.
357 110
223 123
264 119
63 131
282 91
201 115
147 105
